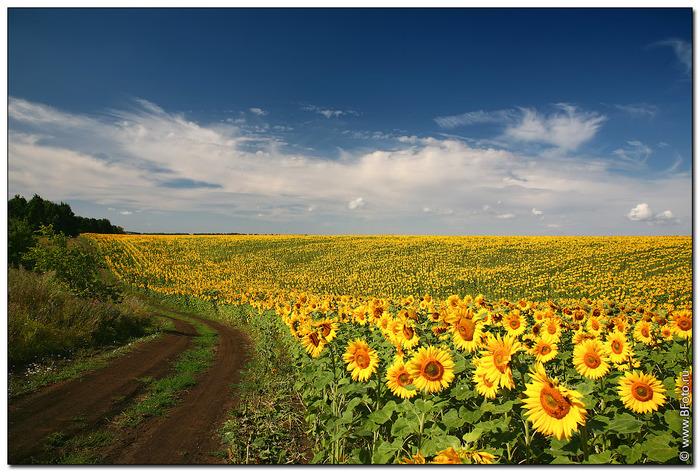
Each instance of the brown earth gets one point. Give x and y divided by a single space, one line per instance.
186 434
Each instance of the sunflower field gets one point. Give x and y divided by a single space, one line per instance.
460 350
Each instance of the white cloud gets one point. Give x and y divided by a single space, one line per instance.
257 111
643 212
154 160
634 151
683 51
639 110
329 112
476 117
537 212
358 202
567 129
125 212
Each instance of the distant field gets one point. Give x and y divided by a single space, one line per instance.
639 270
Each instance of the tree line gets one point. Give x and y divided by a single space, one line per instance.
26 217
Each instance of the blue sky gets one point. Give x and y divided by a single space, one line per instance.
472 121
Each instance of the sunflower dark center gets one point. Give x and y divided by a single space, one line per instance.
362 359
403 379
642 392
465 328
592 360
313 337
433 370
684 324
616 347
554 403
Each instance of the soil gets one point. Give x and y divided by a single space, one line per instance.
187 434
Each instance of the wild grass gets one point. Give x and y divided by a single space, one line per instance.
47 321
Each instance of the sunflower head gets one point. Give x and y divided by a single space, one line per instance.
641 393
400 381
362 360
432 369
590 359
553 409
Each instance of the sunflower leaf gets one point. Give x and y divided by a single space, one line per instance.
625 423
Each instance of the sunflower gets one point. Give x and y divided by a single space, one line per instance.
618 348
682 323
684 388
408 335
447 456
432 369
415 459
594 326
544 351
590 359
313 343
362 360
553 409
552 330
328 329
495 360
515 323
466 334
642 332
480 457
400 381
641 393
484 386
666 332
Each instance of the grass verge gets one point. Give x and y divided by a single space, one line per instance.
164 393
46 373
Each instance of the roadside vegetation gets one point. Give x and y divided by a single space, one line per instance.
61 304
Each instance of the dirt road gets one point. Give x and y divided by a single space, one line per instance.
186 434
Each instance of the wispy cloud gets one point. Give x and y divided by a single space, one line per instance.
567 129
634 151
257 111
329 112
682 49
155 160
476 117
639 110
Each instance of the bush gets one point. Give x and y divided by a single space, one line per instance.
73 264
46 319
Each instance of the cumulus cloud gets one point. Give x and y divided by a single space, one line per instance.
329 112
537 212
643 212
257 111
358 202
567 129
148 158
